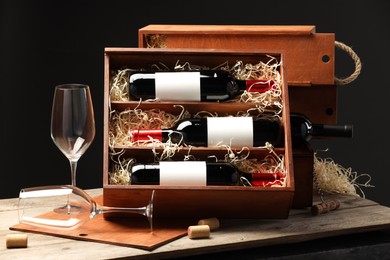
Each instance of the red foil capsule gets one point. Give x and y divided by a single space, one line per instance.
267 179
145 135
259 85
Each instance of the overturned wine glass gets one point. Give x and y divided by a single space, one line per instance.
44 207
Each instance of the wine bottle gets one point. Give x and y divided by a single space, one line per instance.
214 131
197 173
209 85
303 129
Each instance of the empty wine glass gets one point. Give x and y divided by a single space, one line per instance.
40 206
72 122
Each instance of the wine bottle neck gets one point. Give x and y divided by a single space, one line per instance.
332 130
145 135
262 179
162 135
259 86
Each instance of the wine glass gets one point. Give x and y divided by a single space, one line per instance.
72 122
43 207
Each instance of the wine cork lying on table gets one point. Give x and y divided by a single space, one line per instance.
213 223
202 230
199 231
325 207
16 240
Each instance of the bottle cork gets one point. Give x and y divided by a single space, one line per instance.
16 240
325 207
213 223
199 231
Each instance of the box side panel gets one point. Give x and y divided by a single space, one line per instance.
204 203
286 125
319 103
106 117
303 157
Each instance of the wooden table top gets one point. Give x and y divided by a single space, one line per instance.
355 215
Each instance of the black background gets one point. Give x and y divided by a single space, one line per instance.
45 43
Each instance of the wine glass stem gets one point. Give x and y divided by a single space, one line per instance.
145 211
73 168
106 209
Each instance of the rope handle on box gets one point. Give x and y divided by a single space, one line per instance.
356 59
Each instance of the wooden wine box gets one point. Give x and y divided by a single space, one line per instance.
194 201
308 57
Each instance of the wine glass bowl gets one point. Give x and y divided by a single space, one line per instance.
72 122
44 207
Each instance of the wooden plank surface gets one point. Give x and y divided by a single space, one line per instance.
226 29
355 215
132 230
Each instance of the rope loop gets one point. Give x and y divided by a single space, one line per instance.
356 59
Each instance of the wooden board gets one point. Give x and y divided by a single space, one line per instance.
133 232
355 215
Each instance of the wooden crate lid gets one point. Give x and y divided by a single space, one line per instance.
309 56
223 29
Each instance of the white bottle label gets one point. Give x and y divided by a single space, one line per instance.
183 173
232 131
178 86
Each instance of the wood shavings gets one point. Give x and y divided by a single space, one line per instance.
121 123
169 150
119 85
332 178
263 111
155 40
260 71
119 173
186 66
271 163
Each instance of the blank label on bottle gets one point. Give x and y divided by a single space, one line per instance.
232 131
183 173
180 86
